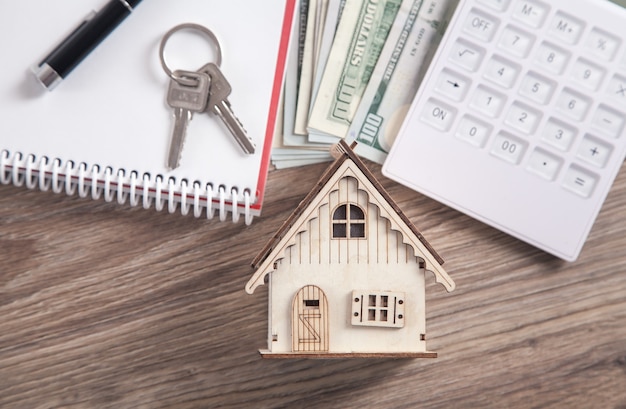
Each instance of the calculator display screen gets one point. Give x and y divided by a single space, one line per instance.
619 2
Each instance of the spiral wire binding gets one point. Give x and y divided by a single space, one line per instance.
21 170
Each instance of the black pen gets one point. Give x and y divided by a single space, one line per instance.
73 49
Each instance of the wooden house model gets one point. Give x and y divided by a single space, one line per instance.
346 272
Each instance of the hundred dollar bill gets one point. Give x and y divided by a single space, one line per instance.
360 37
329 29
285 138
290 149
397 75
305 82
292 80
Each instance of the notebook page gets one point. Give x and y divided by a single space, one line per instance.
111 110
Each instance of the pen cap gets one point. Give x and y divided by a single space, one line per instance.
75 47
132 3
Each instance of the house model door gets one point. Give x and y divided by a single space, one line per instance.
309 320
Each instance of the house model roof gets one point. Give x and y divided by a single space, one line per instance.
346 164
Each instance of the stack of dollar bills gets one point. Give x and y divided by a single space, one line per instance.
353 70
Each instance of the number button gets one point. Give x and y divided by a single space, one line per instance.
473 131
573 104
480 25
438 115
551 58
523 118
587 74
537 88
566 28
466 55
508 147
487 101
544 164
558 134
531 13
501 71
516 42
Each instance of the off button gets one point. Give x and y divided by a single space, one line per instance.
480 25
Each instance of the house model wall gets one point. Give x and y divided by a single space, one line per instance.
346 272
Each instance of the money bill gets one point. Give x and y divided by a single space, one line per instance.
292 74
397 76
290 149
305 83
329 29
320 19
335 8
359 39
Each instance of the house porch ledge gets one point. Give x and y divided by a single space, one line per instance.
343 355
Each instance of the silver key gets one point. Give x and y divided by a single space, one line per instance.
218 104
188 93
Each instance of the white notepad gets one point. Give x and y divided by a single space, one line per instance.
105 130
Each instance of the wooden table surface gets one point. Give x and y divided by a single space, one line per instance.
107 306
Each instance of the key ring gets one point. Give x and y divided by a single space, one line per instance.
189 26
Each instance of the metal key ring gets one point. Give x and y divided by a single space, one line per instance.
190 26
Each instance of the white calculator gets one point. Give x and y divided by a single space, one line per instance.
520 118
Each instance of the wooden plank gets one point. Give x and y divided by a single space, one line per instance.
103 305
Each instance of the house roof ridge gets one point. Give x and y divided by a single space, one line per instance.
370 176
342 151
298 210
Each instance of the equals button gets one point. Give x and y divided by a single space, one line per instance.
579 181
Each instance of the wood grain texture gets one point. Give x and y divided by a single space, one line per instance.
108 306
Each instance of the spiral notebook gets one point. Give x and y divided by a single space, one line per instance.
105 130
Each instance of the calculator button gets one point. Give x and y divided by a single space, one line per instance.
531 13
602 44
516 42
573 104
522 118
501 71
551 58
438 115
579 181
544 164
617 89
499 5
452 85
558 134
480 25
466 55
587 74
566 28
623 61
608 121
473 131
537 88
487 101
594 151
508 148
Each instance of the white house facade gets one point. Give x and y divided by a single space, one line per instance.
347 273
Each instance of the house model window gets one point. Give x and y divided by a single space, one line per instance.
348 222
378 308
